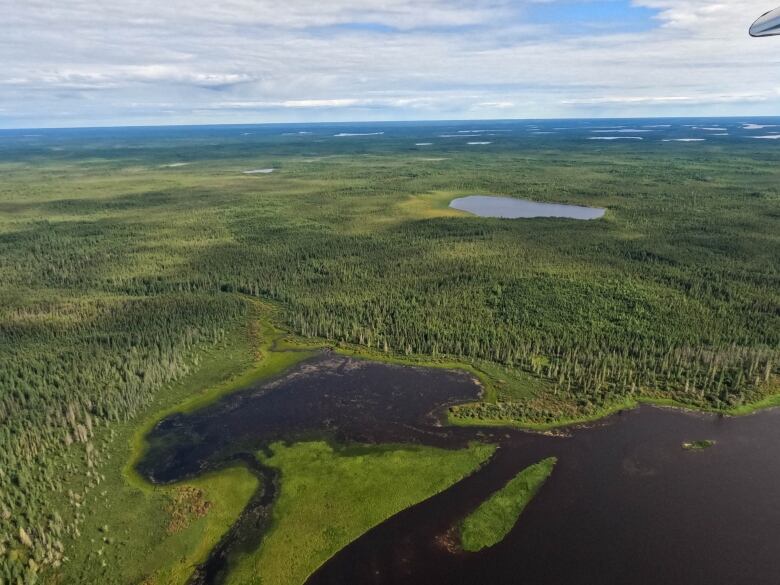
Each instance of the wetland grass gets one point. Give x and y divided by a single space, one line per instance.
330 497
494 518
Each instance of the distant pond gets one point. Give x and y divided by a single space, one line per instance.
512 208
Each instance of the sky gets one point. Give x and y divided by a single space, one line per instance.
119 62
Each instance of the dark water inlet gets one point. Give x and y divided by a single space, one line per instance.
248 529
625 504
342 398
513 208
330 396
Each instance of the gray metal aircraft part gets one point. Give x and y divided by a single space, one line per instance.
767 25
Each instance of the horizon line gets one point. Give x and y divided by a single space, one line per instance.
386 122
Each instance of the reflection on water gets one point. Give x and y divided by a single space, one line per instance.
511 208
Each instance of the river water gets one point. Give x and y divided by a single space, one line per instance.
625 503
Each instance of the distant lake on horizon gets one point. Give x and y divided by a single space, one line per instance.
512 208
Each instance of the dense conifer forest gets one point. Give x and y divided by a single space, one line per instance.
124 255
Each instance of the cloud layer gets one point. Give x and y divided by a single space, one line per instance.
115 62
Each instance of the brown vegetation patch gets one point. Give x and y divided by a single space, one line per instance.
450 541
187 504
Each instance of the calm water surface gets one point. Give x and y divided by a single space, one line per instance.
512 208
625 503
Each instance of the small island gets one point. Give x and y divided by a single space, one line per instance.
495 517
698 445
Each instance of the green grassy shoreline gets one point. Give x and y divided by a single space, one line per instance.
270 360
280 350
276 352
772 401
489 390
273 351
329 496
143 548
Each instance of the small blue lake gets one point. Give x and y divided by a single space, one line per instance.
512 208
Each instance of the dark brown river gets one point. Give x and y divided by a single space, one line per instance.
624 505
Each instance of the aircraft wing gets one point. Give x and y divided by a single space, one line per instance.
767 25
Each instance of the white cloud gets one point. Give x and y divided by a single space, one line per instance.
740 98
403 14
495 105
115 61
391 102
